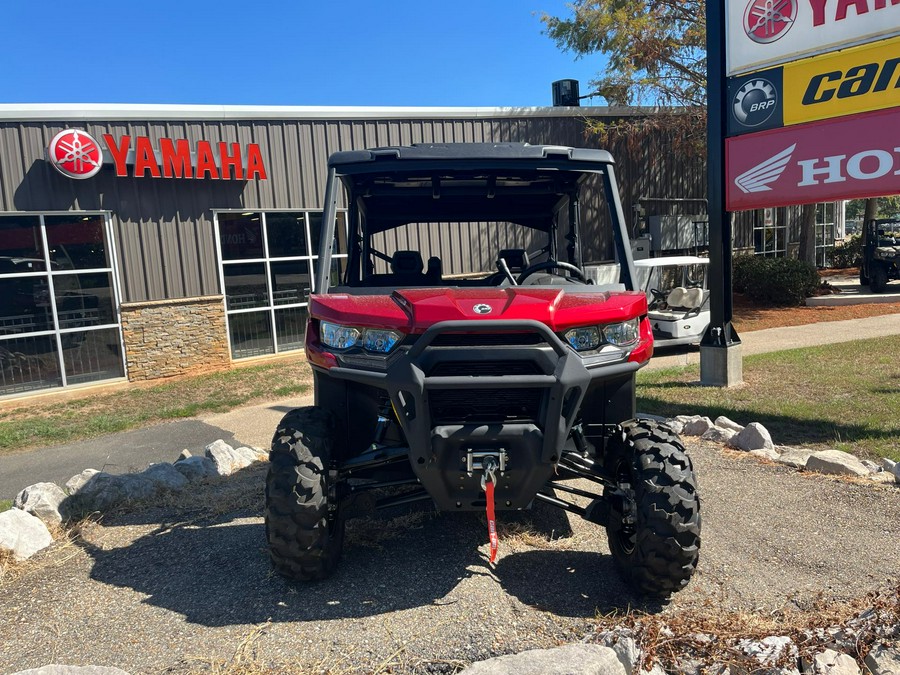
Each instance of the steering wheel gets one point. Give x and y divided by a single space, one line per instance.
658 295
550 265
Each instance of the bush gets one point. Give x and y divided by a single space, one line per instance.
774 281
848 254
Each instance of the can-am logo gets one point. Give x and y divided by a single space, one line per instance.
75 154
769 20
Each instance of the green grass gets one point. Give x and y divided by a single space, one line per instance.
5 505
844 396
38 423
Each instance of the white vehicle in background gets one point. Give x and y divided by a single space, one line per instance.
677 298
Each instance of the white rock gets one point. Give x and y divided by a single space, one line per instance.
884 478
883 661
725 423
870 465
227 461
164 476
768 651
75 483
718 435
892 466
23 534
697 427
576 659
42 500
831 662
676 426
754 437
795 457
184 455
250 454
836 462
766 453
628 652
196 468
105 491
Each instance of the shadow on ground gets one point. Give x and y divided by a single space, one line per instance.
214 569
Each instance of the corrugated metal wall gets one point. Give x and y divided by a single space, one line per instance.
164 227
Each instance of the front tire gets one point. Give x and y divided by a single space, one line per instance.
654 533
304 527
879 279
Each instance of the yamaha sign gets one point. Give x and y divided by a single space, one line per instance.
763 33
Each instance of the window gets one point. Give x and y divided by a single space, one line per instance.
267 263
768 237
825 233
59 319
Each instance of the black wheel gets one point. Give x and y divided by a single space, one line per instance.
654 526
879 279
304 527
863 277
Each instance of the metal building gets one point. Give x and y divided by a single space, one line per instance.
145 241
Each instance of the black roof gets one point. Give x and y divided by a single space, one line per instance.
471 155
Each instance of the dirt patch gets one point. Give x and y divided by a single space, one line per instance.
749 316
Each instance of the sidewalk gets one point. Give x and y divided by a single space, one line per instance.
791 337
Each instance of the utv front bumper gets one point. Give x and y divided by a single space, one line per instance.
465 390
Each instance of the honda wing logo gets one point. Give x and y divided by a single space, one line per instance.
758 178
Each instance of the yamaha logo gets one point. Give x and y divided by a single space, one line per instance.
769 20
75 154
755 102
482 309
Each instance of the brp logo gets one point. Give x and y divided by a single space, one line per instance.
755 102
75 154
769 20
482 309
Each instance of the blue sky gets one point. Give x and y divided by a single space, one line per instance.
323 53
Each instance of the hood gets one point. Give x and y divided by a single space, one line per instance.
413 310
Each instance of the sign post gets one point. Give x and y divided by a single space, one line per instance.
721 362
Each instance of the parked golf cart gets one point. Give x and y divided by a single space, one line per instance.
677 298
881 254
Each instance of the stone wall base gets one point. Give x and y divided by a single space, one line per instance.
174 337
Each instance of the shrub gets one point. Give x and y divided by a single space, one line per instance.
848 254
774 281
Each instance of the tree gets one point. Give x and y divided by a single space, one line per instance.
886 207
656 50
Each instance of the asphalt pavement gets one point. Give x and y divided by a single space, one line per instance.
254 425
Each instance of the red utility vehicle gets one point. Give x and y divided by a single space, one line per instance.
462 355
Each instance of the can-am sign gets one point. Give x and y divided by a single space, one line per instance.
762 33
76 154
850 158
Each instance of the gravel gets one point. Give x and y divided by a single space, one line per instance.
184 587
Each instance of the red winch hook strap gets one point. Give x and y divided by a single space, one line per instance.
492 520
487 484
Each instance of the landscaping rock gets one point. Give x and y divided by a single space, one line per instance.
676 426
196 468
72 670
42 500
225 458
754 437
892 466
870 465
252 454
719 435
795 457
575 659
768 651
725 423
884 478
883 661
628 652
836 462
164 476
766 453
104 491
831 662
184 455
697 427
75 483
23 534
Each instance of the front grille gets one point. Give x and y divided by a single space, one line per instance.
484 368
485 406
487 339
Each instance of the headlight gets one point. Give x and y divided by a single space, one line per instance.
583 339
377 340
337 336
622 334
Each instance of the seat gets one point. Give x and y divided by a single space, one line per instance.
685 298
406 268
434 271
